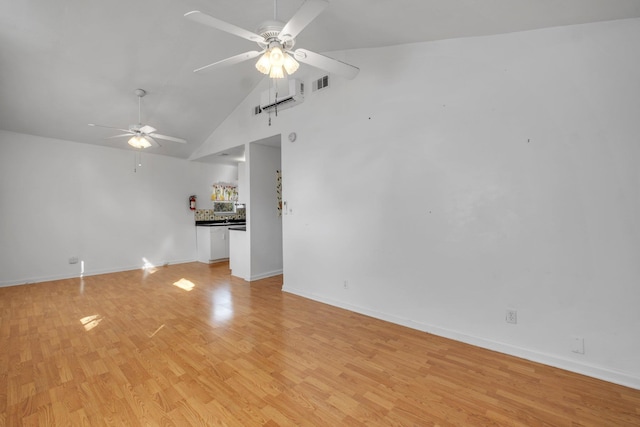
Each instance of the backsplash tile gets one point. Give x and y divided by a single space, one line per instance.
209 215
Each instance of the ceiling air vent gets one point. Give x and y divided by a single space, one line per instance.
321 83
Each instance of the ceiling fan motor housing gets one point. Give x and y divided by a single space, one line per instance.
269 31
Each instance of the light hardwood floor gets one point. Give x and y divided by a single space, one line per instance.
140 348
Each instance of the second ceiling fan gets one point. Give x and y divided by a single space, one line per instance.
276 41
141 136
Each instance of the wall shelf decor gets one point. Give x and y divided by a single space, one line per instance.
224 192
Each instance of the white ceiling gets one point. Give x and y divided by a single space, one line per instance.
67 63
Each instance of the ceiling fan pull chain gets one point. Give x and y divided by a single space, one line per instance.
275 91
269 81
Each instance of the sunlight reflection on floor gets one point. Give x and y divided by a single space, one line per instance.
148 267
221 305
185 284
91 322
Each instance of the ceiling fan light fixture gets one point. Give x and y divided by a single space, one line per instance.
264 64
276 56
290 64
275 62
138 141
276 72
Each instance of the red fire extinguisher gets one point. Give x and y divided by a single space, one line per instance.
192 203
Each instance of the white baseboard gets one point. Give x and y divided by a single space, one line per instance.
38 279
265 275
599 372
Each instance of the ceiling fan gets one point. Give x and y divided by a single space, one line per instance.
141 135
276 41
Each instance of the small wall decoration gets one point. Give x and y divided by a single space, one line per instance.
224 192
279 192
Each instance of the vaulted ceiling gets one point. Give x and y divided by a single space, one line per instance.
67 63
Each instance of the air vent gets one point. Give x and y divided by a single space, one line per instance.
321 83
288 96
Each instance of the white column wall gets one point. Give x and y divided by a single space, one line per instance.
265 226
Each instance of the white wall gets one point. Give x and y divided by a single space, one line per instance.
265 226
60 199
453 180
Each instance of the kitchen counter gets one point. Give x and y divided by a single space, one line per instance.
218 223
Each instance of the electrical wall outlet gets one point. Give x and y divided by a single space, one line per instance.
73 260
345 285
511 316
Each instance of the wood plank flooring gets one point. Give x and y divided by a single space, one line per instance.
189 345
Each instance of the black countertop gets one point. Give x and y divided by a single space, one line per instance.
218 222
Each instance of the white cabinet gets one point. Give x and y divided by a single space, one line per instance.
239 257
203 242
219 242
213 243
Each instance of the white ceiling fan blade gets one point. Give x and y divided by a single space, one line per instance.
109 127
205 19
153 141
147 129
120 136
229 61
168 138
309 10
325 63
